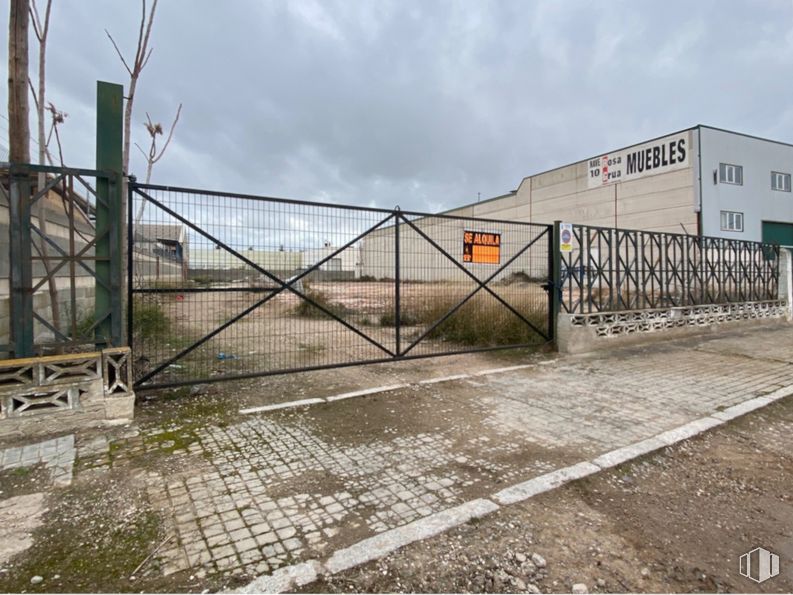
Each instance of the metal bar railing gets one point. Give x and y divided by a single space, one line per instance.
646 269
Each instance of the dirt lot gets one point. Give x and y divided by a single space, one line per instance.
289 333
676 521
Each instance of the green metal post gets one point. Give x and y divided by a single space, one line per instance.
21 264
109 215
556 281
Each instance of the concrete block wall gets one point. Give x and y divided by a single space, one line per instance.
581 333
786 279
65 392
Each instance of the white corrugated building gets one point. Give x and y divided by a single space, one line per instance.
698 181
701 180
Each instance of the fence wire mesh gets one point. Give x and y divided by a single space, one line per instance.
616 269
226 286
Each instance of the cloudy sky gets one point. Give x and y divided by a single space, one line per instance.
420 103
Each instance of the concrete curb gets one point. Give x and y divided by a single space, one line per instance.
284 579
288 405
382 544
366 391
444 379
380 389
544 483
500 370
626 453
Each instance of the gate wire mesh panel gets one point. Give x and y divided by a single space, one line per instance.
616 269
227 286
231 286
471 284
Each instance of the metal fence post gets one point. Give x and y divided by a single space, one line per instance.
21 265
109 215
130 245
397 296
555 280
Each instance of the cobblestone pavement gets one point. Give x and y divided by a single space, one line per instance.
257 492
56 455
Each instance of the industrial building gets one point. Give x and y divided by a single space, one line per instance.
698 181
701 180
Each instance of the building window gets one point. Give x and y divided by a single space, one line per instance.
730 174
780 181
731 221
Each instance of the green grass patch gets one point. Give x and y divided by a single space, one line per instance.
97 551
405 318
22 471
149 320
173 440
306 309
482 321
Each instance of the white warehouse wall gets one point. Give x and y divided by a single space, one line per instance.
755 198
660 199
669 197
421 261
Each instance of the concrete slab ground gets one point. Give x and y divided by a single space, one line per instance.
246 494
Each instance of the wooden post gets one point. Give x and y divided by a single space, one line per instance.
19 203
18 110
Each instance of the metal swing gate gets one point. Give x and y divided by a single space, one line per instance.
227 286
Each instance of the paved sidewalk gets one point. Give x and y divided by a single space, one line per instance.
246 494
55 454
677 521
276 488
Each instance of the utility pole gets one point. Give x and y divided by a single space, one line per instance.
20 274
18 127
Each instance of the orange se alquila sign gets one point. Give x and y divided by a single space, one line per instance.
481 247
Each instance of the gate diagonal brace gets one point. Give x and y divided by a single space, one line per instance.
480 285
288 285
65 259
47 187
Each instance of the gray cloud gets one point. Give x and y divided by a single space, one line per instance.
421 104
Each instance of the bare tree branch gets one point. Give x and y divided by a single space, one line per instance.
41 30
142 152
33 93
140 31
142 55
170 135
34 13
118 51
154 129
146 59
58 117
148 33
